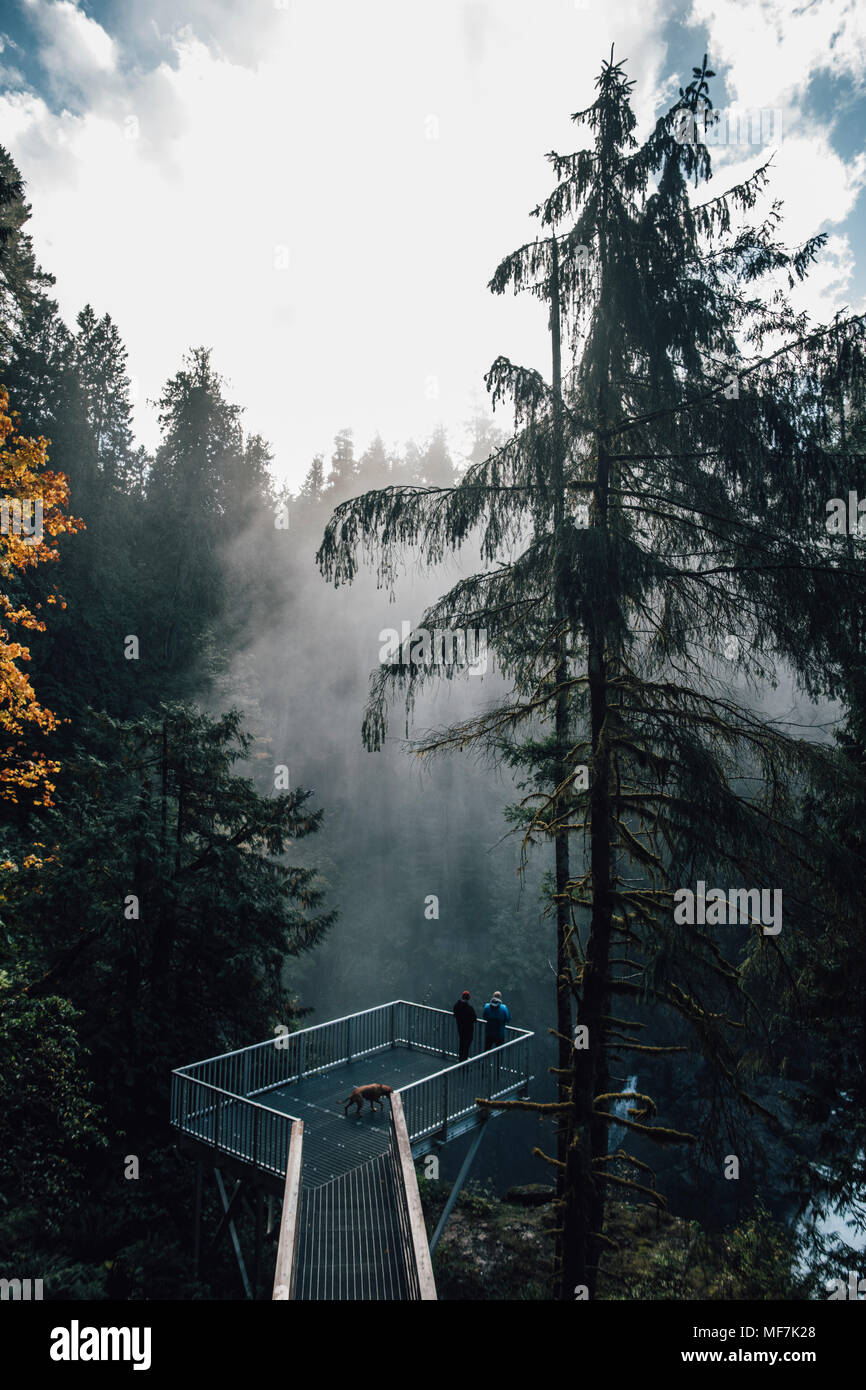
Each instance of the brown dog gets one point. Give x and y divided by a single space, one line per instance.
372 1093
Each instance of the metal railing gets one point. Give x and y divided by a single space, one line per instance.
230 1123
279 1061
413 1233
213 1100
433 1103
419 1027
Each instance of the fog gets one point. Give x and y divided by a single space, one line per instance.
398 830
415 854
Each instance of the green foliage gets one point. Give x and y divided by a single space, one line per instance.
49 1120
21 280
174 908
757 1260
489 1250
659 1258
704 490
117 1238
813 994
703 517
33 1248
100 360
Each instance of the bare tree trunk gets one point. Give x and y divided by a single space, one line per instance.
584 1189
560 765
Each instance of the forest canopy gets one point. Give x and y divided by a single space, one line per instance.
206 835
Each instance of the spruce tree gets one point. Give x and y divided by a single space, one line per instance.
655 542
21 279
191 489
100 358
313 484
187 919
344 469
376 466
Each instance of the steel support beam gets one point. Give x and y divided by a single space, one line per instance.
197 1221
228 1204
458 1185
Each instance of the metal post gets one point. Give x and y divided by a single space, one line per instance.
458 1186
257 1255
226 1219
196 1258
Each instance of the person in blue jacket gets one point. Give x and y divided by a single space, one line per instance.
496 1016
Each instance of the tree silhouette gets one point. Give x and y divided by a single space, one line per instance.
655 543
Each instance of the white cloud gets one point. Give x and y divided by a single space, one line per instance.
382 319
773 48
75 50
164 197
768 54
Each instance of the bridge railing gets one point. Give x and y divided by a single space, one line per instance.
230 1123
425 1029
413 1233
450 1094
214 1099
250 1071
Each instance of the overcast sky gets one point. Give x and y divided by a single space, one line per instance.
320 190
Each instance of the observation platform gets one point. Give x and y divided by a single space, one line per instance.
278 1106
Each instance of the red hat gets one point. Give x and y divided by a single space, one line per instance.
466 994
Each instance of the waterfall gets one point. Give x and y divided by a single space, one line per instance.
616 1133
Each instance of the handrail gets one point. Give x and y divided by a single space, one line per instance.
455 1066
279 1040
230 1123
416 1251
287 1249
271 1042
244 1100
448 1013
452 1093
226 1114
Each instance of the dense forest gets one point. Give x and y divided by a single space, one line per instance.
216 822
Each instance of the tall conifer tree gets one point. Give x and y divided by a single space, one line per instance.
655 540
100 358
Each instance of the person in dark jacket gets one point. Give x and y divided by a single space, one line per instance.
466 1018
496 1016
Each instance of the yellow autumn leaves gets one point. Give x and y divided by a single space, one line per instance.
25 478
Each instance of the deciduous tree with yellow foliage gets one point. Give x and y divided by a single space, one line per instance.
26 481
